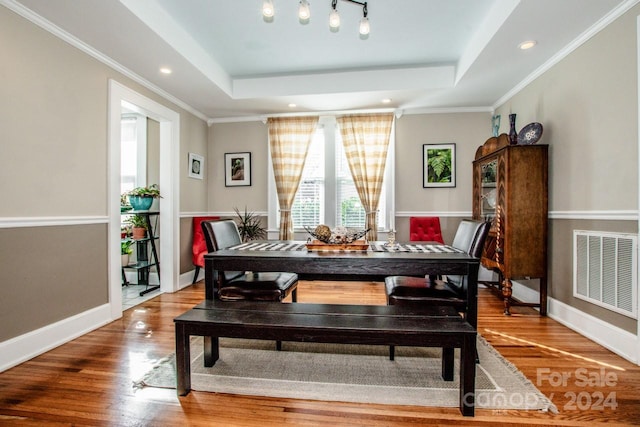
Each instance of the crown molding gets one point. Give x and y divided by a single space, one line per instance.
49 26
576 43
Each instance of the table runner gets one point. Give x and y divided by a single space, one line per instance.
375 247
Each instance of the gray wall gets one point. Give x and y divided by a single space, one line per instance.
53 164
588 105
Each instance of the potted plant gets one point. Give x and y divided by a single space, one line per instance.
141 198
249 226
139 226
125 250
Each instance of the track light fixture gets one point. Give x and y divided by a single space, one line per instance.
304 14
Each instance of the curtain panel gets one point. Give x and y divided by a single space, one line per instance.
366 141
289 139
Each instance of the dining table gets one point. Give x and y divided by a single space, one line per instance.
374 263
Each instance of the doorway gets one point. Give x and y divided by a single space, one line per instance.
123 99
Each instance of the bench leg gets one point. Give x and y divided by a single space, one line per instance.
447 363
468 375
278 345
392 352
183 361
211 351
294 295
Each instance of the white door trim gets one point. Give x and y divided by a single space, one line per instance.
169 120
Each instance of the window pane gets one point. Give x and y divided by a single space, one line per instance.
307 206
128 154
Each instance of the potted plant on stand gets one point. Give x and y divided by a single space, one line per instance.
125 251
139 226
141 198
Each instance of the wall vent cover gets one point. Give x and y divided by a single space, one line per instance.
604 270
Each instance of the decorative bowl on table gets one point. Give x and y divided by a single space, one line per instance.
340 238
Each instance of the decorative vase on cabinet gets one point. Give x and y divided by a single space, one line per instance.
510 189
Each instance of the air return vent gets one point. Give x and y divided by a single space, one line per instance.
604 270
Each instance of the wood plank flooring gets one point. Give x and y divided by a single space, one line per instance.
88 382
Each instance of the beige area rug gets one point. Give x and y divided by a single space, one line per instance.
350 373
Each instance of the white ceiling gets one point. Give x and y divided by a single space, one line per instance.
228 62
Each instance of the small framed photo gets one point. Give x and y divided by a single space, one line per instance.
196 166
237 169
438 165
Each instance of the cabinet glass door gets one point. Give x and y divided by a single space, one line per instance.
488 188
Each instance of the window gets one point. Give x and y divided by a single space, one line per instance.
327 194
133 149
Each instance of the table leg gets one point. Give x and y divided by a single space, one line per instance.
468 375
447 363
211 351
183 361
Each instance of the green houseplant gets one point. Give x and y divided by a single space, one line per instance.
249 226
125 250
141 198
139 226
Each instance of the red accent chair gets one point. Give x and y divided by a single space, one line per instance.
199 246
425 229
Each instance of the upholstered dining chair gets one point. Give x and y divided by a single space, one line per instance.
445 290
199 246
238 285
425 229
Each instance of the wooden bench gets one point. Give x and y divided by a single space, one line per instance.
328 323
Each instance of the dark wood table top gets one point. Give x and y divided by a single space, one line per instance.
340 265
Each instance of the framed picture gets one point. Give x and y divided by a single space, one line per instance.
196 166
237 169
438 165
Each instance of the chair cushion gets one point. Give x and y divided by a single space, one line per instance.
411 290
259 286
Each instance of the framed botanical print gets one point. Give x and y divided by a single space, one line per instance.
438 165
237 169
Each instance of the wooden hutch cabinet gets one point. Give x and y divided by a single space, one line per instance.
510 190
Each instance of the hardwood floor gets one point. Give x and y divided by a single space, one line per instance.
88 382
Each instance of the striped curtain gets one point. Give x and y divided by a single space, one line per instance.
289 139
366 140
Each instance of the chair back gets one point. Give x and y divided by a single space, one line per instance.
470 238
425 229
222 235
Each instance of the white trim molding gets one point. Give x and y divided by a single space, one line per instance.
51 221
611 337
27 346
620 215
94 53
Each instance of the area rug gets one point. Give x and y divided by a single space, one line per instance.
350 373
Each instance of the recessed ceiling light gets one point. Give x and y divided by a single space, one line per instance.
292 105
165 70
386 100
527 45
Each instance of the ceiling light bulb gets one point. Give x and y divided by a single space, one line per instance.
386 100
334 19
267 9
165 70
304 12
364 26
527 45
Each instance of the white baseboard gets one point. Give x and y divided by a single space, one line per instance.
24 347
619 341
186 279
